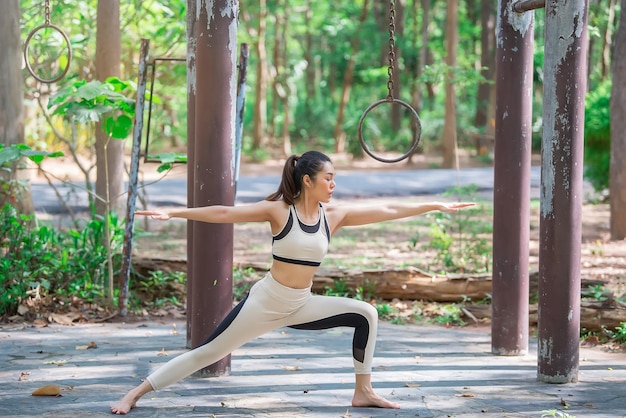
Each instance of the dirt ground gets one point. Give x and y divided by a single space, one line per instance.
390 247
378 247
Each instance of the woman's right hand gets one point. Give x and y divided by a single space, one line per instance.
154 214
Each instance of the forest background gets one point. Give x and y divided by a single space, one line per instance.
313 68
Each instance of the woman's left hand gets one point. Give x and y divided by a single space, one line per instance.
455 206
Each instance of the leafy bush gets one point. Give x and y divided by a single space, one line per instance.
598 136
39 260
462 240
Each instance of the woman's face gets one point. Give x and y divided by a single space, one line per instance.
324 183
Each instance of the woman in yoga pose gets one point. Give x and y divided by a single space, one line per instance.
302 225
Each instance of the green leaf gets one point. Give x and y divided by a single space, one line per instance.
9 154
116 84
16 151
164 167
92 90
86 115
118 128
170 157
38 156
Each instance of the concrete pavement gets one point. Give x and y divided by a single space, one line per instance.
430 371
172 191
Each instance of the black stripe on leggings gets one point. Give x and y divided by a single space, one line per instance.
354 320
225 322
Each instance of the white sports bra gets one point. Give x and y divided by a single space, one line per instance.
300 243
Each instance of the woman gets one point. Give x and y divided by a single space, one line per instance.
301 228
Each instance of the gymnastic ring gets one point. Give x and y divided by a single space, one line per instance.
69 53
416 134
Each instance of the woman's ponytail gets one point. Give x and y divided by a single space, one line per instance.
287 188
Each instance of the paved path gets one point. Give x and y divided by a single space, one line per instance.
350 184
429 371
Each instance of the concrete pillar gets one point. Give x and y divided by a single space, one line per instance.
511 217
212 175
565 86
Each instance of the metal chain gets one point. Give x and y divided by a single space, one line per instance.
47 12
392 44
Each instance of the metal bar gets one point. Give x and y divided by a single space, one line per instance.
560 230
170 59
241 104
147 149
213 182
528 5
153 65
511 218
133 180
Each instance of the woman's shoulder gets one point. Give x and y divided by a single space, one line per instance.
335 209
276 207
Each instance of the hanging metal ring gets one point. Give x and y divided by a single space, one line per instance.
69 53
417 133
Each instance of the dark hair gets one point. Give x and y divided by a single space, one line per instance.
311 163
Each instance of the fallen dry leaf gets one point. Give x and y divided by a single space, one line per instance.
60 319
466 395
57 362
412 385
592 340
23 376
39 323
49 390
91 345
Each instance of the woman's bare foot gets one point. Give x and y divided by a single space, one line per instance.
372 400
129 400
364 395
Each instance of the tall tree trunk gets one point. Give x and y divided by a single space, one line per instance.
380 11
426 56
109 152
276 72
420 39
259 135
11 106
284 79
339 134
308 56
617 178
606 39
482 118
449 129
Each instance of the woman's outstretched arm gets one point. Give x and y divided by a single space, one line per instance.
264 211
353 216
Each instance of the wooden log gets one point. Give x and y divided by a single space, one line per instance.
402 283
411 283
593 315
408 283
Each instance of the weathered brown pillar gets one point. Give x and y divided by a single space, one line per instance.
212 173
511 217
565 85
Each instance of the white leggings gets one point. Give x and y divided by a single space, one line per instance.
269 306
